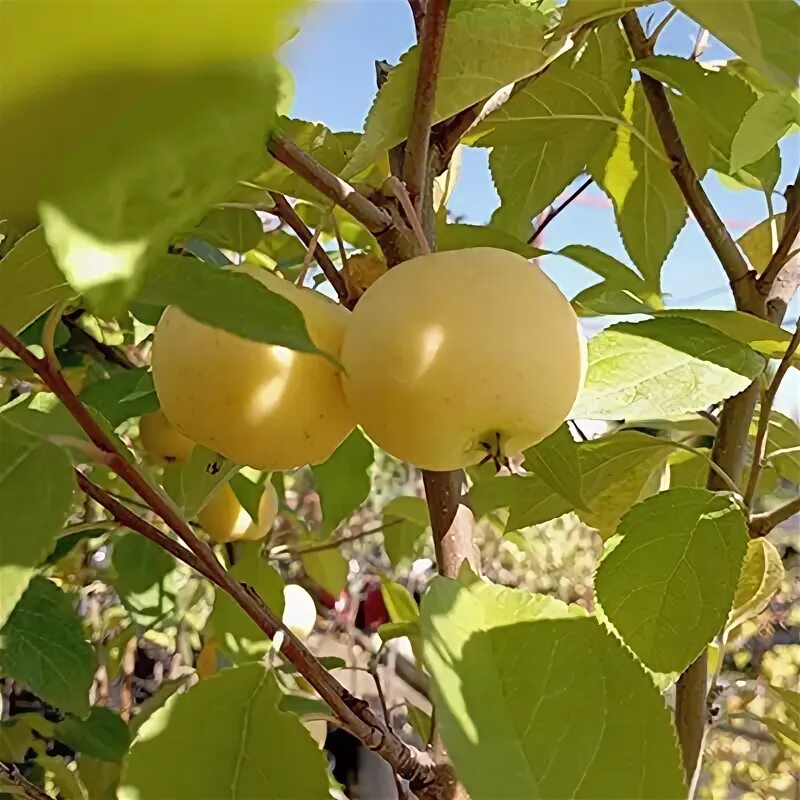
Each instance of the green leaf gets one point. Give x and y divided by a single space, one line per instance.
36 490
328 568
602 300
579 12
66 780
236 229
616 274
42 645
30 282
130 185
248 491
669 584
406 520
555 461
343 481
783 434
761 335
761 576
767 121
124 394
232 301
400 604
544 136
509 668
99 777
715 102
191 483
763 33
16 739
230 740
635 173
102 735
420 722
662 368
460 236
757 242
145 579
484 50
231 626
688 470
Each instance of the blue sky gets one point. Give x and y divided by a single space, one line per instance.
332 60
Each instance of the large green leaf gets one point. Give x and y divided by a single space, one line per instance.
669 584
761 335
715 102
406 520
460 236
544 135
579 12
343 481
484 50
763 32
233 301
636 174
661 368
556 461
766 122
145 579
616 472
510 668
43 646
761 576
231 626
230 740
102 735
113 204
36 489
30 282
236 229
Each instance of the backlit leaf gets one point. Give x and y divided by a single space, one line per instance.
669 584
328 568
578 12
662 368
101 735
460 236
509 668
42 645
406 521
236 229
761 576
230 740
555 460
758 242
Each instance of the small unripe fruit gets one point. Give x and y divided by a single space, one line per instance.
225 519
299 610
162 442
456 356
257 404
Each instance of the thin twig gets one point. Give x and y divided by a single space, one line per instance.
537 232
353 713
373 670
333 543
12 774
416 159
396 187
713 227
762 524
333 187
286 212
653 36
309 254
791 230
767 402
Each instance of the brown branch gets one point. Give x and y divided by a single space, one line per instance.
762 524
760 445
417 154
739 274
333 187
418 13
354 714
26 789
788 242
537 232
284 210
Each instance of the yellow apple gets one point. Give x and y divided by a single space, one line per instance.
261 405
70 66
299 610
225 519
458 355
161 442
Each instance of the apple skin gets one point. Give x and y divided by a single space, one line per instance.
162 443
224 518
451 350
257 404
